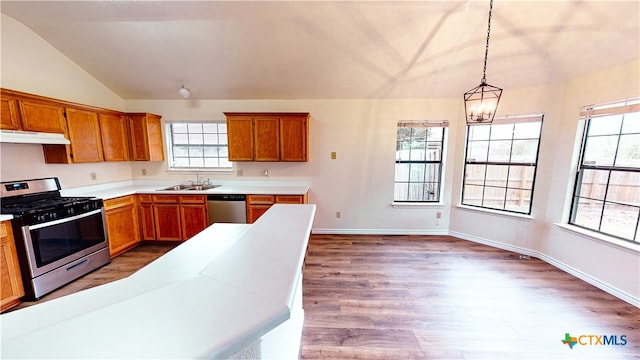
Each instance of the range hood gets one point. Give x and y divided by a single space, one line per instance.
29 137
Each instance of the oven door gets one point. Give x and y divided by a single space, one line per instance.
56 243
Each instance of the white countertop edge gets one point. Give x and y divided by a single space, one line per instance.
124 188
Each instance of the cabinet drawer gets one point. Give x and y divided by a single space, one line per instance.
289 199
166 199
118 202
260 199
193 199
145 198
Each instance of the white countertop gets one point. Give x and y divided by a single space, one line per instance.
122 188
209 297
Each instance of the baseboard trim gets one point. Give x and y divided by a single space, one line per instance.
379 232
622 295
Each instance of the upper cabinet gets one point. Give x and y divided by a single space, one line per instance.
9 111
36 116
83 131
146 137
268 136
114 131
95 134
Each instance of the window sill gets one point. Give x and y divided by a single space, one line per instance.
496 212
201 171
417 205
602 238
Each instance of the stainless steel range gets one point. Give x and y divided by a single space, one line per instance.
58 239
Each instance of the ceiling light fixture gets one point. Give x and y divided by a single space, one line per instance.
481 102
184 91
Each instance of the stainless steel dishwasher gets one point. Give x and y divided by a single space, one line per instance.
227 208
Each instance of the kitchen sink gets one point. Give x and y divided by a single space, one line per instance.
202 187
177 187
188 187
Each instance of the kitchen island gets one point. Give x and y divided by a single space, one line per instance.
231 291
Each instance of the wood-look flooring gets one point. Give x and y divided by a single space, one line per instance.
434 297
438 297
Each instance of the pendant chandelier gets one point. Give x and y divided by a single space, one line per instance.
481 102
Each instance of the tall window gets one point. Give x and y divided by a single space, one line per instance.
500 163
201 145
606 197
419 160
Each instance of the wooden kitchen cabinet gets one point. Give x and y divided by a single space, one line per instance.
11 288
122 224
9 114
240 138
193 215
42 117
166 213
178 217
259 204
84 134
294 132
268 136
114 131
146 137
83 131
147 221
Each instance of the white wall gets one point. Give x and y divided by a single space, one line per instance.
32 65
359 183
611 267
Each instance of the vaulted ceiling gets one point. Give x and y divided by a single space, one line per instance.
331 49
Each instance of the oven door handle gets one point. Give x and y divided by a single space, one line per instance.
64 220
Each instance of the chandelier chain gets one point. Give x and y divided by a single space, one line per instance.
486 49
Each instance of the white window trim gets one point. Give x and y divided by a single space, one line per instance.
443 164
182 170
506 119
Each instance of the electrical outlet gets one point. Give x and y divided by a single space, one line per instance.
438 215
144 171
94 176
238 172
266 173
333 155
338 215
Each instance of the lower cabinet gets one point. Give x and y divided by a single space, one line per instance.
11 288
259 204
172 217
122 224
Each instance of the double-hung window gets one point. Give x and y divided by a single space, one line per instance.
198 145
419 147
606 196
500 163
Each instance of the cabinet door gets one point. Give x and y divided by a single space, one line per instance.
10 120
293 138
167 218
42 117
122 224
84 134
147 223
255 211
11 289
114 131
146 137
193 218
240 138
266 137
